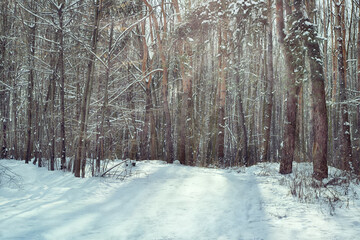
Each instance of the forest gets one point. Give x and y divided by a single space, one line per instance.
211 83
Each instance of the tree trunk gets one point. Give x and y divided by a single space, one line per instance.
144 154
144 54
4 92
31 64
40 131
132 125
15 153
333 120
242 124
345 140
62 84
220 141
80 158
320 124
52 127
357 162
168 138
149 121
153 134
15 100
223 56
269 90
287 152
185 142
325 42
104 108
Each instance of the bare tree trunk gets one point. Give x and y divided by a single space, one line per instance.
300 149
220 141
345 140
190 118
144 54
104 108
4 92
185 95
153 134
52 127
62 83
333 109
320 124
37 137
145 135
183 115
185 142
269 90
15 119
62 87
149 121
325 42
80 159
287 155
221 100
357 162
242 124
31 64
168 138
15 100
132 129
149 116
39 133
334 55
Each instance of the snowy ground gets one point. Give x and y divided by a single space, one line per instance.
163 201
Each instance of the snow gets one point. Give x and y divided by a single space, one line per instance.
166 201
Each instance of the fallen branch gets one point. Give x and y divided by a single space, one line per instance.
104 173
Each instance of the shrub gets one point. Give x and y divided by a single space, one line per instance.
8 178
334 192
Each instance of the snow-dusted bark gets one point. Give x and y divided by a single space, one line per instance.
4 89
185 149
222 84
60 12
345 139
320 124
168 136
80 159
31 77
269 95
302 31
357 161
292 48
104 108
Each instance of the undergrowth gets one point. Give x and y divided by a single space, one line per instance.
8 178
337 191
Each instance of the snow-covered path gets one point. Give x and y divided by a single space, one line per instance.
162 201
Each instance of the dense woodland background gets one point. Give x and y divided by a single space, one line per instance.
211 83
